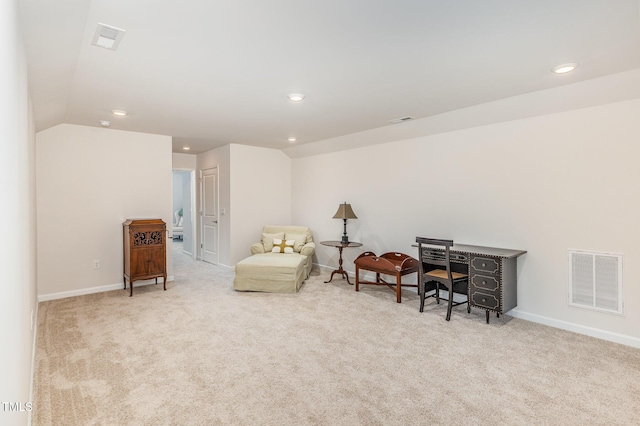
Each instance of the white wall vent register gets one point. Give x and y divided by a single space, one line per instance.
595 281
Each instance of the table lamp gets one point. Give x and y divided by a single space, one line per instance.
345 212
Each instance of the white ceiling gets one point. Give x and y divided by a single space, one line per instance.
212 72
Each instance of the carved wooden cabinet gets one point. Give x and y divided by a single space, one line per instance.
145 251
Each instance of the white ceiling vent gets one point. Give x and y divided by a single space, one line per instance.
107 36
401 119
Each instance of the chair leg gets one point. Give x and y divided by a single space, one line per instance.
450 305
398 289
437 293
357 278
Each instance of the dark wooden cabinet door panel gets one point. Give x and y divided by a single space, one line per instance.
139 262
156 260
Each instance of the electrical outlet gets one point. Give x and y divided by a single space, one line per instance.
96 264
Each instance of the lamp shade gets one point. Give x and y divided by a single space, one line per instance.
345 212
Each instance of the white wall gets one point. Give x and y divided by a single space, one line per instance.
254 190
18 242
89 181
260 195
178 183
545 184
184 161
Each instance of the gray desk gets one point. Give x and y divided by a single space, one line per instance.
493 284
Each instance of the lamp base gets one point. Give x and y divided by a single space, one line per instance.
345 239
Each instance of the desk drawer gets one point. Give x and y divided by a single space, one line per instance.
485 266
484 299
434 254
486 283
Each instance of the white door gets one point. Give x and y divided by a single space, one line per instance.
209 215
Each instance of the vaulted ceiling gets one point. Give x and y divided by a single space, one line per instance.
213 72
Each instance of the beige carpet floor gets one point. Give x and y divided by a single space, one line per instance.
202 354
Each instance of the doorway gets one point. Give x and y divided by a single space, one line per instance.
183 220
209 215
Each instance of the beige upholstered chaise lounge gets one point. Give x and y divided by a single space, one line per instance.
273 272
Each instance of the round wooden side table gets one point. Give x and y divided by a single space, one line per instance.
340 246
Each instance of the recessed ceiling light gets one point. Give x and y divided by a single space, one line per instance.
119 112
186 148
564 68
107 36
105 123
296 97
292 139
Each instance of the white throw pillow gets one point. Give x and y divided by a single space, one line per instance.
282 246
267 240
300 241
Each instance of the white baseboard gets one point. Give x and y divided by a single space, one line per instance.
99 289
577 328
366 275
33 361
330 269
